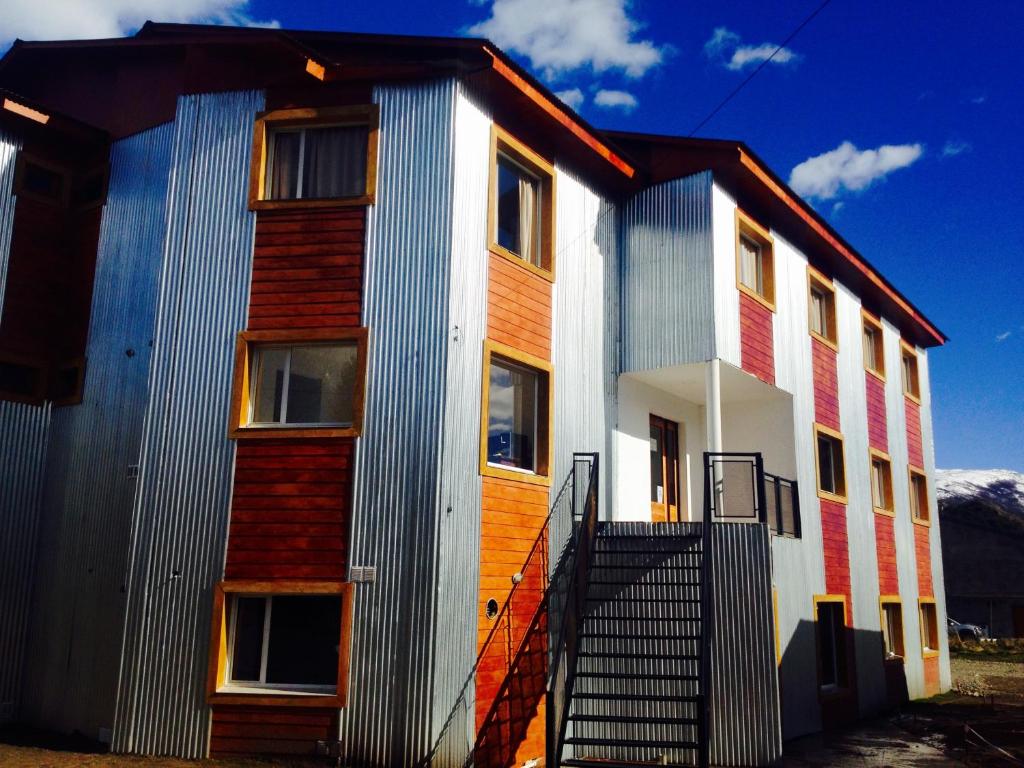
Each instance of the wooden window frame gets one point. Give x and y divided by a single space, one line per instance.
18 188
545 415
875 367
312 117
242 386
913 392
821 429
913 472
750 229
839 690
216 680
876 455
896 600
502 142
928 653
816 279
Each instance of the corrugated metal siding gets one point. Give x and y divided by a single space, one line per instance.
745 718
728 345
798 563
78 611
23 435
397 473
458 538
9 146
184 484
667 299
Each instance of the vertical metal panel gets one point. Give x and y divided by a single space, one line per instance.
745 726
78 611
935 533
458 538
23 435
9 146
667 300
860 516
799 570
397 471
184 485
727 298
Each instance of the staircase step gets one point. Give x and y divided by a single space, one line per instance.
634 638
640 583
660 552
636 676
644 719
583 762
668 601
638 743
652 656
652 697
642 618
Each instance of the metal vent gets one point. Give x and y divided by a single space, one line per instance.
366 574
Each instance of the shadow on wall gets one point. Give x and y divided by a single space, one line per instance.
802 665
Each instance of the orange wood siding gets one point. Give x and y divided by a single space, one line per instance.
931 674
826 384
757 346
518 308
915 447
307 269
276 730
837 552
923 551
878 436
885 547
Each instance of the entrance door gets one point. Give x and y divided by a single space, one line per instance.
664 470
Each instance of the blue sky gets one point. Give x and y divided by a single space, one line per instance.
904 118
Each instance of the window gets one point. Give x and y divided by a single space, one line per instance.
521 213
516 416
892 627
874 350
291 644
822 307
310 157
929 627
40 180
919 511
755 261
911 382
881 482
299 383
830 620
831 463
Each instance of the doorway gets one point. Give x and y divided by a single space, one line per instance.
664 470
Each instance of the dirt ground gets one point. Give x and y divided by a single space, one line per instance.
987 698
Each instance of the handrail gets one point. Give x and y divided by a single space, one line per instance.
565 645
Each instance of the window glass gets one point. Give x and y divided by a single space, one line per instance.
872 348
918 496
512 416
247 649
317 162
892 630
881 484
657 478
42 182
831 645
519 210
818 320
929 627
751 265
830 465
910 385
304 384
283 178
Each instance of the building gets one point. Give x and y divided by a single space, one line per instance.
369 332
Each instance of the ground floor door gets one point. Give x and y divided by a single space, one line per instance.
664 470
1018 621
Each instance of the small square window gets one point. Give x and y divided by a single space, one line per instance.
892 628
881 482
830 618
755 261
874 350
40 180
911 382
822 308
929 627
831 464
919 511
521 214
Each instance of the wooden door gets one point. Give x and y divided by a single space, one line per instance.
664 470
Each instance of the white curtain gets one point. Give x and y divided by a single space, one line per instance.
528 234
334 164
750 265
283 180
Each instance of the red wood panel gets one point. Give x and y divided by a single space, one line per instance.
923 552
307 269
837 552
757 346
263 730
518 308
915 447
826 384
885 547
878 436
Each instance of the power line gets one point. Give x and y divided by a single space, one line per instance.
761 66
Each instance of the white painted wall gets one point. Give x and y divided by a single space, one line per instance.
727 298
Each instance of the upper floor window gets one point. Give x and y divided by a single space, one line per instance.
755 260
299 383
822 307
892 627
881 482
919 510
306 157
874 350
521 204
831 463
911 381
929 627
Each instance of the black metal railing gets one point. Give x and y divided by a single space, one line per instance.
568 614
782 498
739 490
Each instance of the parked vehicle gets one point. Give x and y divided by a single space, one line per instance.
964 631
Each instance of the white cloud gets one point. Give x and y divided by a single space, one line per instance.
837 207
560 36
1004 335
616 100
848 168
67 19
572 97
724 47
953 148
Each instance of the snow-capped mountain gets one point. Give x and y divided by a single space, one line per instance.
1002 487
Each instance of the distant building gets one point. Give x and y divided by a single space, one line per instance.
359 397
